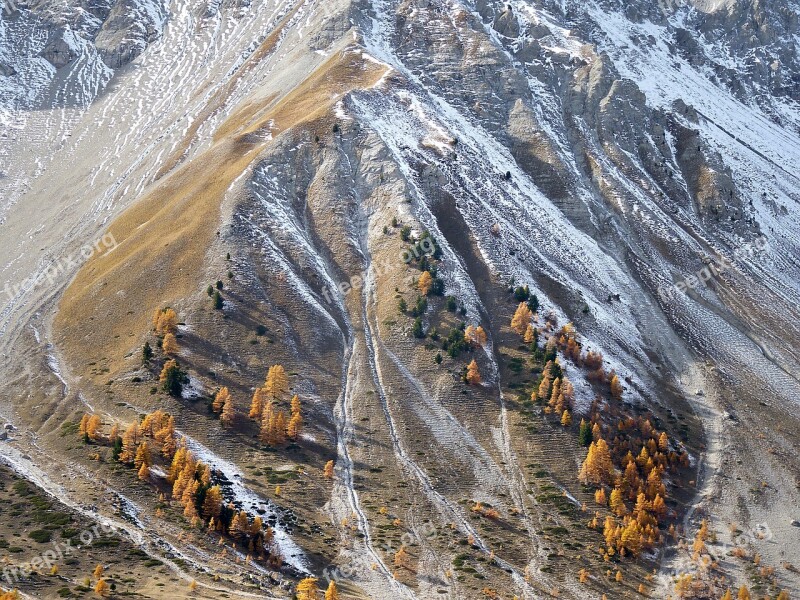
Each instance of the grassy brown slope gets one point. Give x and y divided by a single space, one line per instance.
164 238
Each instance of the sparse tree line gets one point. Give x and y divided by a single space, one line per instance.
187 481
461 338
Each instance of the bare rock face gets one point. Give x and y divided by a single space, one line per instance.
130 26
62 48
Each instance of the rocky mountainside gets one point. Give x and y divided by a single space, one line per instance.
287 175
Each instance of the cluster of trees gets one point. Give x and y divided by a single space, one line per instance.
308 589
214 292
626 463
191 480
203 504
276 427
628 473
707 582
556 392
165 325
131 446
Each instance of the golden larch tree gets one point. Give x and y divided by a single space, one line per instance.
170 345
555 395
228 412
257 404
332 593
328 471
144 472
616 387
130 443
530 334
102 588
93 427
166 437
165 321
597 468
277 382
401 557
521 319
295 426
212 504
219 400
744 593
600 496
543 392
473 375
616 503
307 589
142 456
82 427
425 283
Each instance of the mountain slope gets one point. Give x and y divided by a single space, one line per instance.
631 164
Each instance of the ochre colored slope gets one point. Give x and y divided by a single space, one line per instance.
163 239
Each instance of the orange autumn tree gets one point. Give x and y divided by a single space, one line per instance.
257 404
212 504
473 376
277 382
102 588
93 427
165 321
475 336
295 425
328 471
142 456
170 344
425 283
274 388
543 392
597 468
130 443
307 589
228 414
616 386
332 593
273 426
223 395
521 319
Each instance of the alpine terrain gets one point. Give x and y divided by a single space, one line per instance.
400 299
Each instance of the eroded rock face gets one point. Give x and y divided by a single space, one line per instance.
130 26
99 36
